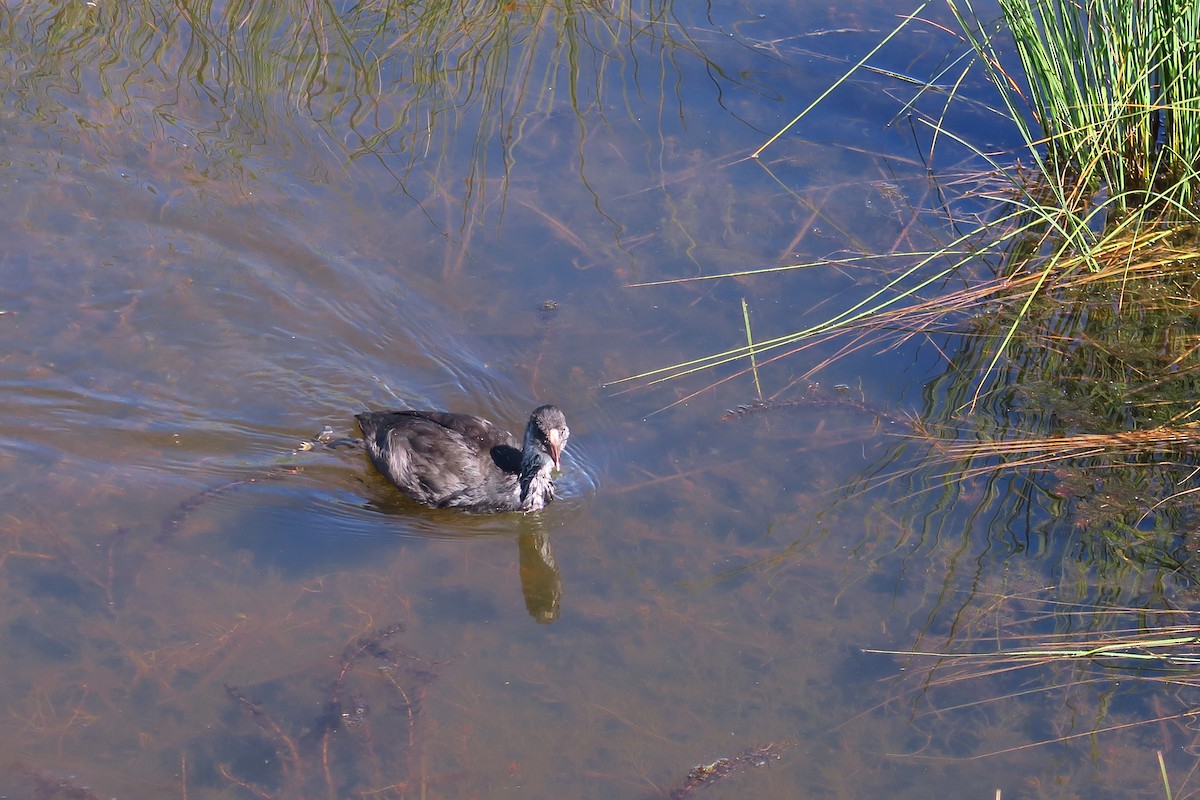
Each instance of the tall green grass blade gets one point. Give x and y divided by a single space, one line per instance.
1162 769
854 69
750 348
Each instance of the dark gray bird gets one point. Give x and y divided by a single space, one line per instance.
460 461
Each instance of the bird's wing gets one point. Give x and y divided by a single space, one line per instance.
436 457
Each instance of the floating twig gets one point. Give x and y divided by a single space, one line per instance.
843 397
708 774
173 522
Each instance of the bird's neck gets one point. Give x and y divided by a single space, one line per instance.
537 487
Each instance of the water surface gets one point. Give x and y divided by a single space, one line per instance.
221 235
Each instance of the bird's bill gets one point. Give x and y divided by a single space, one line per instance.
556 444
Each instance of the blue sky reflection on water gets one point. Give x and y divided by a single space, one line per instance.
215 244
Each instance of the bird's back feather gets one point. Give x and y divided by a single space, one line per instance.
445 460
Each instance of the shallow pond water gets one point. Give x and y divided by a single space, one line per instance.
222 236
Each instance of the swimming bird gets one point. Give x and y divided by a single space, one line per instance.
461 461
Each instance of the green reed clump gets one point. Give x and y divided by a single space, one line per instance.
1115 87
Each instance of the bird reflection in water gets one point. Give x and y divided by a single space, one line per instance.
541 582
